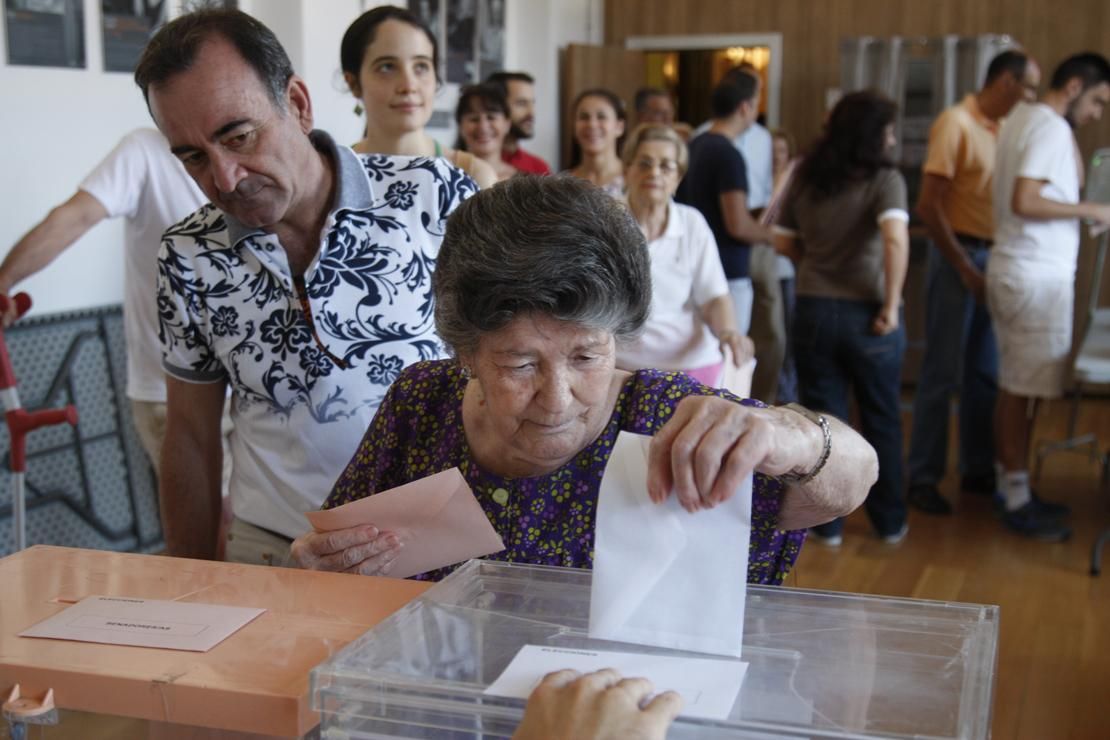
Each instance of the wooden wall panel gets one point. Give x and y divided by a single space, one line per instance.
812 30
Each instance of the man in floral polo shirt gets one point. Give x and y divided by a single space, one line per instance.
305 284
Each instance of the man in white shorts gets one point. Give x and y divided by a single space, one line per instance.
1031 271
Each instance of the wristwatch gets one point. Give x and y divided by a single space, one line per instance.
821 421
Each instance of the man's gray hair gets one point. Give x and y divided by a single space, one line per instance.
556 246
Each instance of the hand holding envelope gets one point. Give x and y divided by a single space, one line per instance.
436 521
664 576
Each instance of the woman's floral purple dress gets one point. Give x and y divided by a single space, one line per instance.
548 519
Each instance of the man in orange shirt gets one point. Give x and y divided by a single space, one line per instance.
960 351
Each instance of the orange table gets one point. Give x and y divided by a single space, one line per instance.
256 681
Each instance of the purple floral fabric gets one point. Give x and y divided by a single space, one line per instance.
546 519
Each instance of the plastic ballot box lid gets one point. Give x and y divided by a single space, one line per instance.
821 664
255 681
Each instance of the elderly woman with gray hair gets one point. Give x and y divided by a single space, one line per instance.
537 282
692 321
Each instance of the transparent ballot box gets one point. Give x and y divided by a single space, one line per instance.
821 664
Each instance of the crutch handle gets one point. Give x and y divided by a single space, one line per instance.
21 301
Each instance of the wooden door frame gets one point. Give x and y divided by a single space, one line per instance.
772 41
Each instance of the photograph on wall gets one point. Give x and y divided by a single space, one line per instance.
462 41
127 25
491 37
45 33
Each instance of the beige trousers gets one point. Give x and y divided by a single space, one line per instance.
768 330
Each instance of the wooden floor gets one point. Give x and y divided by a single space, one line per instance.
1053 673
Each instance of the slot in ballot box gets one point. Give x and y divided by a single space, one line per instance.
252 685
821 664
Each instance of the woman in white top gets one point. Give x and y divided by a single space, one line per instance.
390 61
691 321
598 117
483 121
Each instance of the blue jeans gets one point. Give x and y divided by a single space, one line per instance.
960 356
836 354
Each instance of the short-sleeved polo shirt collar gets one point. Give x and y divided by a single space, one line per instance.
674 228
971 103
352 193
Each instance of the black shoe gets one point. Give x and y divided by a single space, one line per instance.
1032 521
925 497
982 485
1048 508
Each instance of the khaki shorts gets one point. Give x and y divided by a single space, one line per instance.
253 545
1033 322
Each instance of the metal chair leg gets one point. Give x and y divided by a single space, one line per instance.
1096 552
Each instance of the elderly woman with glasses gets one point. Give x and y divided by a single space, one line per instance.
691 324
538 281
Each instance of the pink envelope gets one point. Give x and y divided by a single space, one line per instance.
437 518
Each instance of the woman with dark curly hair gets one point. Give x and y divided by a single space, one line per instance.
844 223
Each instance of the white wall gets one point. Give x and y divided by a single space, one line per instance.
56 124
535 32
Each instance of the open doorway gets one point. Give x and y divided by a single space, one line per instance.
689 75
690 66
687 66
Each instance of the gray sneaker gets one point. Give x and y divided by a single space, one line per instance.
896 537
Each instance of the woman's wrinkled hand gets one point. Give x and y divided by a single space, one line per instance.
363 550
705 450
711 444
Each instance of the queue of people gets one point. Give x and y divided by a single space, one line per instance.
298 323
384 311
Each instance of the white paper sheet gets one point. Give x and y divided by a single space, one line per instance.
661 575
173 625
708 687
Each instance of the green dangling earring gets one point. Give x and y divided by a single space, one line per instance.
358 109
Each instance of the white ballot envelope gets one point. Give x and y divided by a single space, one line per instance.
663 576
708 686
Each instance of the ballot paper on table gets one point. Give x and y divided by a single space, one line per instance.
663 576
708 687
437 519
117 620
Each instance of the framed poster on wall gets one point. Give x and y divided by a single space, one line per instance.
126 26
471 36
45 33
491 37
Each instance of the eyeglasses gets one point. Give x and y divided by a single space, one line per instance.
666 166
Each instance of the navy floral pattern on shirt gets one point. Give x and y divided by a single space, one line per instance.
310 357
547 519
231 309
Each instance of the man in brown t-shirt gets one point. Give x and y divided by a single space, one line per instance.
960 353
